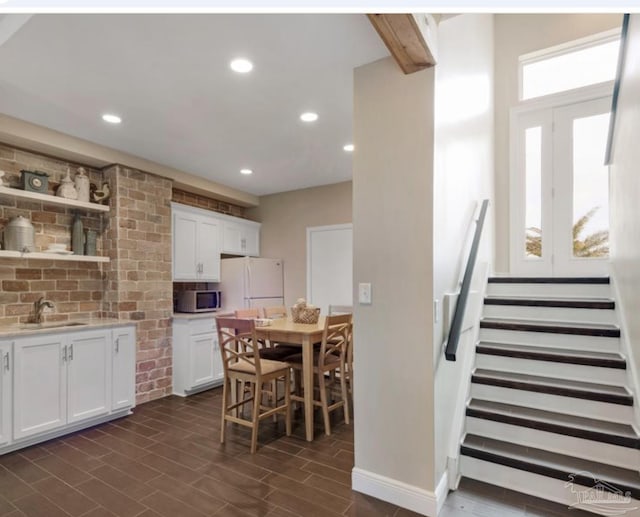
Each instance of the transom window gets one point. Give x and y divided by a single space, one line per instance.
569 66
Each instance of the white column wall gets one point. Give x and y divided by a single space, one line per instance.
393 234
625 193
464 172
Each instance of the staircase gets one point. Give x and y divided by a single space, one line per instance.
550 412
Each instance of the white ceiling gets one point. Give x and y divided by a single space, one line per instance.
168 77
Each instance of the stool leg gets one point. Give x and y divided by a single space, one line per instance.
323 400
255 418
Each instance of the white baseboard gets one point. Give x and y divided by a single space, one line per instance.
401 494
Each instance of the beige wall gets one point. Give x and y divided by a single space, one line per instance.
285 218
463 176
392 229
625 193
517 34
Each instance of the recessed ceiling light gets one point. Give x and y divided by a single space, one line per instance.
309 116
246 171
349 148
241 65
112 119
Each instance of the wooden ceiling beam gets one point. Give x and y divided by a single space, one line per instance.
411 38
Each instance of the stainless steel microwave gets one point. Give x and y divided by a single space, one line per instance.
199 301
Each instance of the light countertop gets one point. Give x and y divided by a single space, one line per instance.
28 329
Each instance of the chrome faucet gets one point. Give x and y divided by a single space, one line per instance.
38 308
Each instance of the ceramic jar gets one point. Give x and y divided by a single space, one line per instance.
66 188
19 235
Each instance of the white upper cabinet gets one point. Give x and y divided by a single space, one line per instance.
200 236
196 245
240 237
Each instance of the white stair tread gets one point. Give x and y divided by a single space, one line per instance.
561 419
552 351
629 479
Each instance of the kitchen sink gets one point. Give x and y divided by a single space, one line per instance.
61 324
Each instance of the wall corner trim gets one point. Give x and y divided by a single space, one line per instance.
416 499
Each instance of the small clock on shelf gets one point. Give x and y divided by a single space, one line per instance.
34 181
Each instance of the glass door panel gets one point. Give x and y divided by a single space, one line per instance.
581 187
559 191
590 187
533 192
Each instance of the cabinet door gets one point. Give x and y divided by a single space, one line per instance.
185 245
123 364
201 359
89 374
5 392
39 384
250 242
209 249
232 238
218 373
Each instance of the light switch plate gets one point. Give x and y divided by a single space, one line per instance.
364 293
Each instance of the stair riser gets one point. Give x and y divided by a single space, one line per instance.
573 342
562 314
557 403
551 290
600 452
576 372
527 483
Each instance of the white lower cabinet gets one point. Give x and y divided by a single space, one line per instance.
88 375
39 384
123 363
6 367
197 364
64 380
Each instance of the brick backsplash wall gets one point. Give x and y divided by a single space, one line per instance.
138 241
136 285
75 288
187 198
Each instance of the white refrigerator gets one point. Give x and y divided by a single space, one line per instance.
248 282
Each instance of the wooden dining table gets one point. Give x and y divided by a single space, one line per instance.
284 330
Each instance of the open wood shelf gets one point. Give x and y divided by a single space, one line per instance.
52 256
52 200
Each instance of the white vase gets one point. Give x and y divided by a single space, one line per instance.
66 188
82 185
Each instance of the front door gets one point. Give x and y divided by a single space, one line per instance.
559 191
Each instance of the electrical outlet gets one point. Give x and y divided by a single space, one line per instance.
364 294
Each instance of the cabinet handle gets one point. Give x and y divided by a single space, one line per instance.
64 354
6 361
117 345
243 244
70 352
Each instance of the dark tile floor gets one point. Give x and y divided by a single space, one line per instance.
166 460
